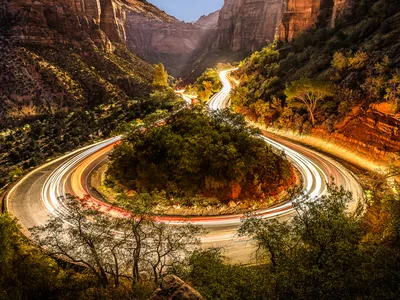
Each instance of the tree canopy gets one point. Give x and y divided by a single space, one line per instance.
160 79
193 153
309 93
324 252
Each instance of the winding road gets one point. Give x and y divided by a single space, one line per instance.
37 195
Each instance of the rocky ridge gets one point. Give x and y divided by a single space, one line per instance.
232 33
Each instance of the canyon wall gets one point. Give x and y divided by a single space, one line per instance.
303 15
247 25
168 41
239 28
299 15
50 21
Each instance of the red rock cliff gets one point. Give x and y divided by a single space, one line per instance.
48 21
302 15
247 25
165 39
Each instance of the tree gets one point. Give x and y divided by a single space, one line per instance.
309 93
216 279
83 236
207 84
160 79
393 92
118 244
317 253
340 61
206 91
28 273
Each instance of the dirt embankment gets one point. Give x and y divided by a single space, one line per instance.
368 139
203 206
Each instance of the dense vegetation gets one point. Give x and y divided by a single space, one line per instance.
198 154
57 98
205 85
101 264
360 56
324 252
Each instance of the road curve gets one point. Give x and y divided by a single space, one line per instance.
37 195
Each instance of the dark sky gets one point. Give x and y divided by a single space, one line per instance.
188 10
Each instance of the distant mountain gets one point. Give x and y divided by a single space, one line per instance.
210 21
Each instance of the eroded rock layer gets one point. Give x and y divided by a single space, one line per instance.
171 42
239 28
247 25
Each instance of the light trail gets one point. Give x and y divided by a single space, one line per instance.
70 178
69 175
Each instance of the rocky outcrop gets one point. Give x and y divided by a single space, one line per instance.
302 15
170 41
49 21
340 9
210 21
247 25
173 288
173 43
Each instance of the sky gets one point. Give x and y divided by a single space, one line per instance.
188 10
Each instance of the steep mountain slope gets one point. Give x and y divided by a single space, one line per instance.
210 21
360 55
66 77
59 56
247 25
168 41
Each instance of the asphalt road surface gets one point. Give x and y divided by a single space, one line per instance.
37 195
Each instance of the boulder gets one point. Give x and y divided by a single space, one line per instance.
174 288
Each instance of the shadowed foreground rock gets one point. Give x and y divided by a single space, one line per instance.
175 288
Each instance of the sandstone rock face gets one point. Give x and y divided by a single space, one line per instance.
247 25
49 21
173 288
340 8
300 15
169 41
210 21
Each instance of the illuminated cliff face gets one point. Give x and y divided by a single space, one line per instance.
302 15
241 26
299 15
49 21
247 25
